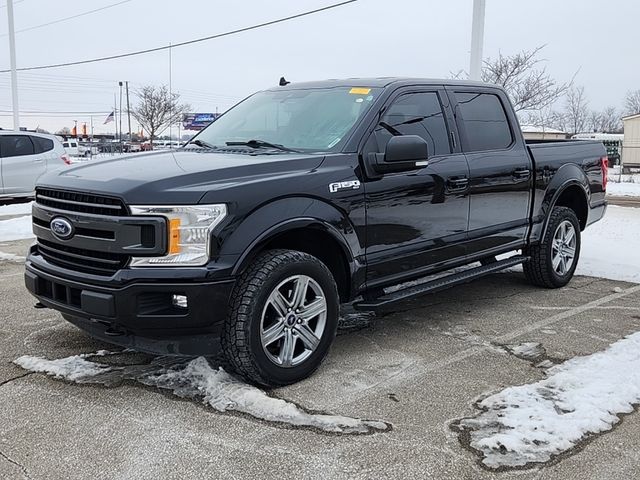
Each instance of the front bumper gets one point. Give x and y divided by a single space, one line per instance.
139 314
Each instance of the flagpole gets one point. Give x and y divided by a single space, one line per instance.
115 124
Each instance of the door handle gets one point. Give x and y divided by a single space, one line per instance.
521 173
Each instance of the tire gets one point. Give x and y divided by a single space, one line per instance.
264 340
544 269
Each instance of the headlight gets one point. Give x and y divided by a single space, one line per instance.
190 229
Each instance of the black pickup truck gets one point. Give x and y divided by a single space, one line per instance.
301 198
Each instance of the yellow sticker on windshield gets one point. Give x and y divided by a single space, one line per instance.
359 91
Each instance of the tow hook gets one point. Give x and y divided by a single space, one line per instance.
114 331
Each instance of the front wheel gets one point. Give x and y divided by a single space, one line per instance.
282 319
554 260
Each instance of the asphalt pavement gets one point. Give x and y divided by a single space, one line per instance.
419 369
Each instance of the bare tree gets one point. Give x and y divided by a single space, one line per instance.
595 121
157 109
525 79
576 110
632 102
606 121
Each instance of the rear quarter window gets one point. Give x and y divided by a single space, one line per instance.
485 121
42 145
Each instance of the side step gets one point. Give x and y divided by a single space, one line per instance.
438 284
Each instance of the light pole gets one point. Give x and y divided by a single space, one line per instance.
14 72
477 39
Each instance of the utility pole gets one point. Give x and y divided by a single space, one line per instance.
120 83
477 40
12 62
128 111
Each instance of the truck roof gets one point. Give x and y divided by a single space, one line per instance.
382 82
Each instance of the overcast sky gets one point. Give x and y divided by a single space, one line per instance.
421 38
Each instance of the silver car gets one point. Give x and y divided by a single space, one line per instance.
24 157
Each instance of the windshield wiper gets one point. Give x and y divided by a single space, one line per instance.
261 144
203 144
390 129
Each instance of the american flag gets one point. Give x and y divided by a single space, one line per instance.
110 118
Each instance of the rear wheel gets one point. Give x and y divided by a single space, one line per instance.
283 317
554 260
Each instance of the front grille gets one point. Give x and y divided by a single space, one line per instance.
80 202
79 259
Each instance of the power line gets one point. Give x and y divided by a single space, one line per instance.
189 42
67 18
17 1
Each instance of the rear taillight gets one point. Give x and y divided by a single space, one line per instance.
65 158
604 163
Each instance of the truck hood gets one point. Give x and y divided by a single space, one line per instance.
178 177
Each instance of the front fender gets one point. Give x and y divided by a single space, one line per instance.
282 215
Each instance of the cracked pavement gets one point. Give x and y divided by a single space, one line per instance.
419 368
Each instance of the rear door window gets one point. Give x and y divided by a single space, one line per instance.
16 146
42 145
485 121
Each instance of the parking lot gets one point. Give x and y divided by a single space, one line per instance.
418 369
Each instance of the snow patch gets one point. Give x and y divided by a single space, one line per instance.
624 189
16 209
581 397
197 379
527 351
16 229
74 368
10 257
609 247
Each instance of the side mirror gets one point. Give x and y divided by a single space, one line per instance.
403 153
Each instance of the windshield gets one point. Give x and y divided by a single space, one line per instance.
318 119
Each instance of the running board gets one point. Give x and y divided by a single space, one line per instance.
438 284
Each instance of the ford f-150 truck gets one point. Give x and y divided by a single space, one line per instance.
301 198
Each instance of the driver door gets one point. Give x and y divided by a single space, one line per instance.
416 220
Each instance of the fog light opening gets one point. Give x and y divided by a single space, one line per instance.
179 301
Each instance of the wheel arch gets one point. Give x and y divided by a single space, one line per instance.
568 188
303 224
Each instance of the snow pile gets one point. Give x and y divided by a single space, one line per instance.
610 246
581 397
16 209
196 379
15 229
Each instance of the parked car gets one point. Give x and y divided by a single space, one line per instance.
301 198
24 157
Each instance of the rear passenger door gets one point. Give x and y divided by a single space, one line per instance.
21 165
500 170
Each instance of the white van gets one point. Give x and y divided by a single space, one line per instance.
71 146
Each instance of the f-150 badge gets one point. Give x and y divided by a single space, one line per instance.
339 186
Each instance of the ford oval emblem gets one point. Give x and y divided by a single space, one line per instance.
62 228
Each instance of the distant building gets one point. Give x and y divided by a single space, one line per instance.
534 132
631 144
